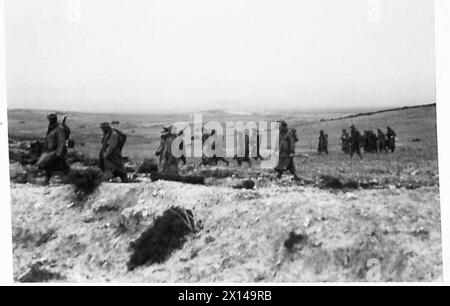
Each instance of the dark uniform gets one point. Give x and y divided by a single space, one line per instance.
258 144
345 142
323 143
381 142
214 159
168 163
183 155
244 152
54 156
287 141
390 134
355 138
110 156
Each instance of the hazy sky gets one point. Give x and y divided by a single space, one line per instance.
156 55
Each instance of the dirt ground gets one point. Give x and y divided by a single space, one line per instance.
387 229
242 236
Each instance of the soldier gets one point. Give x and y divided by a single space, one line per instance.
216 158
390 134
110 156
183 155
243 137
168 163
323 143
345 139
55 149
287 140
258 154
370 141
366 140
381 141
355 138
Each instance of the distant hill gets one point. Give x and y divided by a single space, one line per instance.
380 111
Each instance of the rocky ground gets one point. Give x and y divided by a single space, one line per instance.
243 237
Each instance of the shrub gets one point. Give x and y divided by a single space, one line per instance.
168 233
85 181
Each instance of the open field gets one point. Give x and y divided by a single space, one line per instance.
393 217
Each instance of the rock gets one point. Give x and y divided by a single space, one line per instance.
37 274
350 196
307 222
209 239
421 232
104 205
317 244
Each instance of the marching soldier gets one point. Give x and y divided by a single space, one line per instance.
168 163
243 147
390 134
110 156
381 141
345 140
323 143
287 142
55 149
355 138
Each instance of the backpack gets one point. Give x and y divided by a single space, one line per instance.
122 138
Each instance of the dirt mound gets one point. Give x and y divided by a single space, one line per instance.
243 239
168 233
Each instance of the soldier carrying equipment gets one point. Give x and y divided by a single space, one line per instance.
54 157
110 157
287 140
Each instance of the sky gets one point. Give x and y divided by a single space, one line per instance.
178 55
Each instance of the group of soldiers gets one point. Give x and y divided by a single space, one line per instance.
168 164
368 141
111 161
57 142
